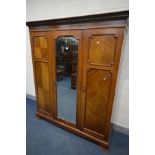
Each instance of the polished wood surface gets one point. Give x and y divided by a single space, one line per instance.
80 26
40 47
101 58
102 49
97 95
99 52
40 57
42 78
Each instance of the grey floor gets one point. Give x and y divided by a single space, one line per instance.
66 100
44 138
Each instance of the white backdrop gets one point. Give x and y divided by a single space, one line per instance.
50 9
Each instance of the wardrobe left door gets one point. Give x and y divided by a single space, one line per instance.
41 58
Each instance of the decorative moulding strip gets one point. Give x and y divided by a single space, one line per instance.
123 15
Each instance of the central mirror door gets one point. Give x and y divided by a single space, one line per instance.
67 75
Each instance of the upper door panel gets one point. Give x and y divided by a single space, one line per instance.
102 49
40 47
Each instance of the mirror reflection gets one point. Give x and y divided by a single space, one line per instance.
66 72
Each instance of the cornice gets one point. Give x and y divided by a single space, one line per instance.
123 15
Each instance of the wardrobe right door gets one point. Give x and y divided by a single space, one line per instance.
102 50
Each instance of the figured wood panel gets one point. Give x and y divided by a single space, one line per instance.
98 87
102 49
101 61
42 81
40 47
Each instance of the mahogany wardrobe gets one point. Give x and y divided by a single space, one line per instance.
75 64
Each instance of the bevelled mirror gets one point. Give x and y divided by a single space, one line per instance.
66 75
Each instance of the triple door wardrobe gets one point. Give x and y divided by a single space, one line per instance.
75 64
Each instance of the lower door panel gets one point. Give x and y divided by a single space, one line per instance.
97 94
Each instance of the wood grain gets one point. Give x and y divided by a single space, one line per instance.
97 94
102 50
42 78
40 56
40 47
99 52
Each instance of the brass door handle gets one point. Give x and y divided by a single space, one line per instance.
83 88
